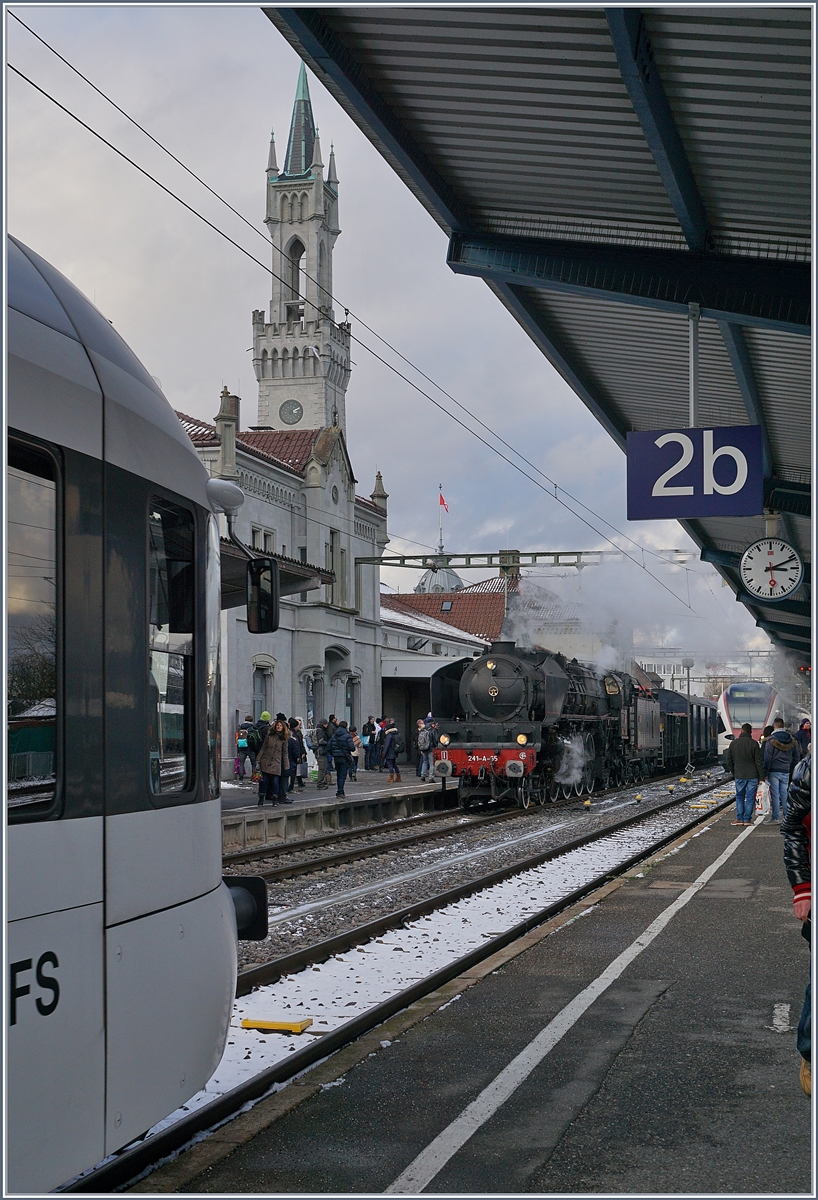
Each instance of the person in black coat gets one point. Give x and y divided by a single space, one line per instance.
340 746
796 829
297 733
743 760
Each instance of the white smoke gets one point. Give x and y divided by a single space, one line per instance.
608 659
572 762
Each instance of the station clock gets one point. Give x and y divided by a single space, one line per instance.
291 412
771 569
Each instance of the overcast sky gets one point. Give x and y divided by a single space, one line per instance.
209 83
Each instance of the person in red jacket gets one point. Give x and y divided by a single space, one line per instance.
796 829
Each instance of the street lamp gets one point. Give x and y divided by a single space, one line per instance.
687 663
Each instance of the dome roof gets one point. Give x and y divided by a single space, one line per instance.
442 580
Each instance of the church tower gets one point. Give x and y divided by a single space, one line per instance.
301 356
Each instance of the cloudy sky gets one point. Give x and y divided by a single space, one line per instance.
209 83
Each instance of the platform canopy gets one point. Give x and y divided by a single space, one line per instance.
601 169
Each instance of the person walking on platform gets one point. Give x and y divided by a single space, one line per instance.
781 755
426 745
332 725
301 765
357 753
804 736
340 746
391 749
743 760
368 734
255 740
419 724
244 750
320 749
797 833
274 763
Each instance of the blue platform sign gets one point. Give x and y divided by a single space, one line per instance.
695 473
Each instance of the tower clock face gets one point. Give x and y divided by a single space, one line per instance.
291 412
771 569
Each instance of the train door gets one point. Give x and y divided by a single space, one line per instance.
55 994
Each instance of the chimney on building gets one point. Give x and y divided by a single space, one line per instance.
379 497
227 426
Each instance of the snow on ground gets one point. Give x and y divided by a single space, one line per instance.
348 984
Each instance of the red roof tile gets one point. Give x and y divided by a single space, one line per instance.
478 613
292 447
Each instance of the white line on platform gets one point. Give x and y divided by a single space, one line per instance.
422 1170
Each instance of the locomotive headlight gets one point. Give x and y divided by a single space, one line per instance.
444 739
521 739
490 665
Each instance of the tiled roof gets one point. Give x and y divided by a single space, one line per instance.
478 613
395 612
292 447
370 504
199 432
287 448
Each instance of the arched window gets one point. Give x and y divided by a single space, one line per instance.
296 364
305 206
265 365
285 364
285 208
275 365
323 282
297 261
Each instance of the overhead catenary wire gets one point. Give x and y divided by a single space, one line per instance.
251 225
390 366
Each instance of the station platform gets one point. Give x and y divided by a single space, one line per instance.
369 799
680 1077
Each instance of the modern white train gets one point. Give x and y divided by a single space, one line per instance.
750 702
121 936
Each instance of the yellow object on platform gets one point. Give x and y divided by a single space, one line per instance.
278 1026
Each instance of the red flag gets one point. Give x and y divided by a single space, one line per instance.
443 502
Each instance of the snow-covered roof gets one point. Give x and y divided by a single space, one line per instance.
403 616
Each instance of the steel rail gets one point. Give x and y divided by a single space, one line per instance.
318 864
133 1161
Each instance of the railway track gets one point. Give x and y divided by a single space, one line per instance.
457 824
546 883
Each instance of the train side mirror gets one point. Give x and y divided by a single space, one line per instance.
263 595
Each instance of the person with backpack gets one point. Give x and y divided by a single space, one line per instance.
341 746
319 748
796 829
426 745
255 740
243 750
393 745
369 733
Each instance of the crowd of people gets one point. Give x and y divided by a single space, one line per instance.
768 763
276 752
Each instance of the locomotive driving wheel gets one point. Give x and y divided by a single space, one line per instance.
554 790
589 772
524 792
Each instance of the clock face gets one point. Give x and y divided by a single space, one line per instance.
291 412
771 569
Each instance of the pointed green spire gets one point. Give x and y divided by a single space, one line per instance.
302 130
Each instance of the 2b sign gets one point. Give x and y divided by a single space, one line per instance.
695 473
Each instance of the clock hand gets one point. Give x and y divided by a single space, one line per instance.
777 566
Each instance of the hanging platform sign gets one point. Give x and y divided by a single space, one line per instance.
695 473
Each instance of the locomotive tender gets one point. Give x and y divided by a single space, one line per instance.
121 936
529 726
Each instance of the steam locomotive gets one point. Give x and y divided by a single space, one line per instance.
530 726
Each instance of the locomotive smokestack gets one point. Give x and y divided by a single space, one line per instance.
503 647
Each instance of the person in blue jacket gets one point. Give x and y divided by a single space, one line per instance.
781 755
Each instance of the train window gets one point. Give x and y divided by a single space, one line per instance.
33 590
170 691
213 628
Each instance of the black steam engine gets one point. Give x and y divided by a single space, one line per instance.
531 726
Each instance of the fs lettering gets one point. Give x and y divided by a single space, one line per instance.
695 473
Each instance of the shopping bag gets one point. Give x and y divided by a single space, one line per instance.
302 770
